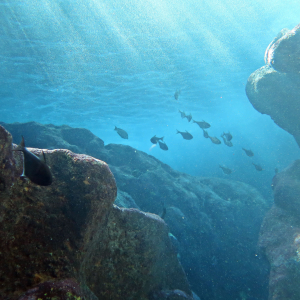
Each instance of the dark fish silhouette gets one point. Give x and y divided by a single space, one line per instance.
189 117
202 124
257 167
164 211
163 145
226 142
215 140
226 170
122 133
182 114
155 139
248 152
186 135
34 168
176 95
205 133
228 136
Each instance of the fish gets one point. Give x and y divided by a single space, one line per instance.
186 135
228 136
155 139
34 168
202 124
248 152
276 170
226 170
257 167
122 133
226 142
182 114
215 140
163 145
205 133
189 117
176 95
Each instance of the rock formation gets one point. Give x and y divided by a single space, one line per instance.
280 235
213 223
69 241
274 88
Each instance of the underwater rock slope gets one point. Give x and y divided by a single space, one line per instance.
274 88
214 223
280 235
54 239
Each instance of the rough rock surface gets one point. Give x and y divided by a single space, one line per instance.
274 89
51 236
215 223
78 140
284 52
67 289
42 227
134 252
280 235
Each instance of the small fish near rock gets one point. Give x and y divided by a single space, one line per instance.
122 133
163 145
225 170
215 140
155 139
34 168
248 152
202 124
176 95
257 167
186 135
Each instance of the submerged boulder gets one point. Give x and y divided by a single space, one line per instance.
274 88
78 140
43 228
69 237
133 249
280 235
284 51
214 225
67 289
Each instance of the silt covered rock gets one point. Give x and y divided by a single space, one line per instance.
280 235
68 236
274 88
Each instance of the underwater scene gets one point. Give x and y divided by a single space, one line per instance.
149 150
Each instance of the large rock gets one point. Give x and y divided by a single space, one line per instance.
274 89
54 239
78 140
280 235
284 51
42 228
132 249
214 223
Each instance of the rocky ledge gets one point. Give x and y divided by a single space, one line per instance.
280 235
69 241
214 223
274 88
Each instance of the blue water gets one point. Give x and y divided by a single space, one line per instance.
97 64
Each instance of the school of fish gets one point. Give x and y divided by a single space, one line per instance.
226 137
